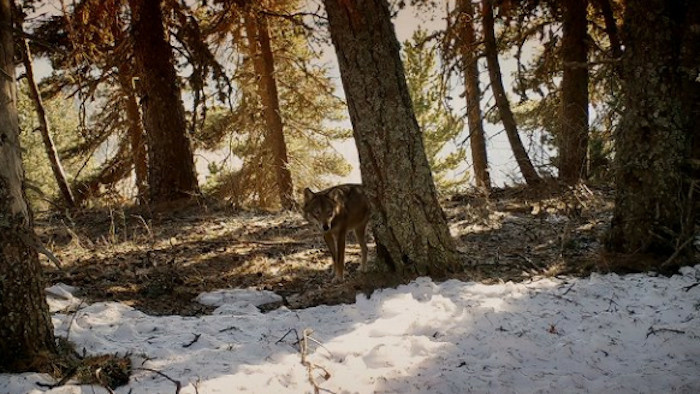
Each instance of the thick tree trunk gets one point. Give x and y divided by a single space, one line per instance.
573 115
499 93
26 332
473 94
654 201
410 228
44 128
171 171
263 62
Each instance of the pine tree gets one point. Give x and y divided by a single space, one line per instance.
657 140
410 228
26 333
437 122
309 108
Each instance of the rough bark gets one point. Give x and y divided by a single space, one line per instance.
171 171
573 115
499 93
44 127
26 332
654 194
263 62
473 94
409 225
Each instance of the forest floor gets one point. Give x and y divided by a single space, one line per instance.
158 262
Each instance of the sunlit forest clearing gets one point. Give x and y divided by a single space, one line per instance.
161 264
193 161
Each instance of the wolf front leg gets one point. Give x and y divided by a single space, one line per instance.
330 242
339 262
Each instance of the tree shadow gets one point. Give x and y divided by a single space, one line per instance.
539 336
159 263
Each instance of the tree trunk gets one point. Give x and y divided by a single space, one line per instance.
473 94
171 171
499 93
654 201
135 132
573 115
26 333
409 226
611 30
44 127
263 62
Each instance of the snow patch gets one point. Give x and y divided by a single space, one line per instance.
605 333
61 297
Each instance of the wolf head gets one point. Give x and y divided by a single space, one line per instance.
319 209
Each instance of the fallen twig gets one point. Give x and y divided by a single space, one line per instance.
196 338
687 288
678 251
72 319
569 289
652 330
71 372
178 385
310 367
291 330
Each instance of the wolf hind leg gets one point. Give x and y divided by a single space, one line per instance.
362 240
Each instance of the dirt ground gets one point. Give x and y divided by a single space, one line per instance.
159 261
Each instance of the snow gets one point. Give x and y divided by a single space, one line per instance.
605 333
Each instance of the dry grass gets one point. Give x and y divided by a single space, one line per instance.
158 262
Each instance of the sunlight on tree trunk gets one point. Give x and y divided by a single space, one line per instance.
409 226
573 115
44 127
468 48
263 62
171 171
499 93
137 135
26 333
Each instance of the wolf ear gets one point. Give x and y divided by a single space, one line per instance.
308 194
336 195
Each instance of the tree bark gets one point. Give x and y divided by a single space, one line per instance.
135 132
654 200
409 226
171 171
499 93
263 62
611 30
26 332
44 127
473 94
573 115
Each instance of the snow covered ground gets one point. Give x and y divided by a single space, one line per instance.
603 334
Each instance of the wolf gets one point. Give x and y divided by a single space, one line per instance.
336 210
